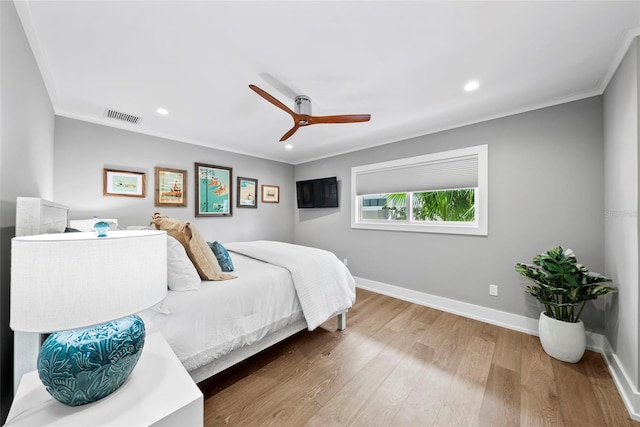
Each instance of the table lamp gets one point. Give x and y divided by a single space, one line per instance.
85 290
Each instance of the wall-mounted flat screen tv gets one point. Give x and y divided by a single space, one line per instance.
317 193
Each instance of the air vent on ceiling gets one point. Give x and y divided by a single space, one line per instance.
113 114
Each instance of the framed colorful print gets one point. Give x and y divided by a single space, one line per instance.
270 194
171 187
247 193
123 183
213 190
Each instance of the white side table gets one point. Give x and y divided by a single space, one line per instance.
158 392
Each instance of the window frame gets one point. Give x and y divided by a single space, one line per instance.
478 227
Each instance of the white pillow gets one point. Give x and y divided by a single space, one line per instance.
181 274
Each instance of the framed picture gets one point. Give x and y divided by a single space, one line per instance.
270 194
123 183
247 193
213 190
171 187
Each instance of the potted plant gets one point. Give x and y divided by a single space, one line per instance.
563 286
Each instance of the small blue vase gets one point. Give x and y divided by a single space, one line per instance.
101 228
81 366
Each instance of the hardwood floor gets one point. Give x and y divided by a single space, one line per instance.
401 364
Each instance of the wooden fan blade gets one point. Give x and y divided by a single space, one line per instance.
273 100
345 118
291 132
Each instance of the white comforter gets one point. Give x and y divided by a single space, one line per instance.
207 324
323 284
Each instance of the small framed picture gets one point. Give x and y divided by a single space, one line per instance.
123 183
214 195
247 193
270 194
171 187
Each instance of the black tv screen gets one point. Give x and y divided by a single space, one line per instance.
317 193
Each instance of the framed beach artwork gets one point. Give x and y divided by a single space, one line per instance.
171 187
247 191
123 183
270 194
213 190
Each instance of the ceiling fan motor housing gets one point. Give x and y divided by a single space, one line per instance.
303 105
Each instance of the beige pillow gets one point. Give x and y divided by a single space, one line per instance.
197 249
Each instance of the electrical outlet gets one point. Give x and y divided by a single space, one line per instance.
345 261
493 290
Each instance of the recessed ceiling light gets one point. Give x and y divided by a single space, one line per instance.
471 86
162 111
288 146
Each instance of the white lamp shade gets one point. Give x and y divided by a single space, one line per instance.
74 280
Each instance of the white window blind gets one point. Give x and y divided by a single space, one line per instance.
418 174
446 170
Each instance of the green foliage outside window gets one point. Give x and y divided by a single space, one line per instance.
445 205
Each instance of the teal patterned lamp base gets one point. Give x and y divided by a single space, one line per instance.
81 366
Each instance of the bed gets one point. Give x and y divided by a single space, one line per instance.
213 325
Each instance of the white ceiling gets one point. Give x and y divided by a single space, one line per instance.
405 63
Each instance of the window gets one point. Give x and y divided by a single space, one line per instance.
436 193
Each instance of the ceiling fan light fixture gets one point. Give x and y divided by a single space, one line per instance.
288 147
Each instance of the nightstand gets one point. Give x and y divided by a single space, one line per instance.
158 392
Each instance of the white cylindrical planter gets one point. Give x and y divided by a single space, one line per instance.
565 341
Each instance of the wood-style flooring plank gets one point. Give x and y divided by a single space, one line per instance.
400 364
434 380
468 385
294 413
571 380
508 348
223 406
360 388
539 404
411 313
607 397
440 330
348 361
388 399
501 399
319 378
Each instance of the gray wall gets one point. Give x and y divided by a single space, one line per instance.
83 149
621 139
26 160
545 189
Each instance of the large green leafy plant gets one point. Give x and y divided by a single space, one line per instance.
440 205
561 284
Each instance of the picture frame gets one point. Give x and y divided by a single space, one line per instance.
247 191
123 183
270 194
214 192
170 187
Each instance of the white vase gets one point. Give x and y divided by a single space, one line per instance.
565 341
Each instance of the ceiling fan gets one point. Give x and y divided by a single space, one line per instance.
302 115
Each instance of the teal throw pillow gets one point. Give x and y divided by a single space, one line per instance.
222 256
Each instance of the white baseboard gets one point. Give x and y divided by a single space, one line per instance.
595 342
628 392
472 311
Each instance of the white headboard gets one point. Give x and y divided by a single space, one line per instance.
38 216
34 216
